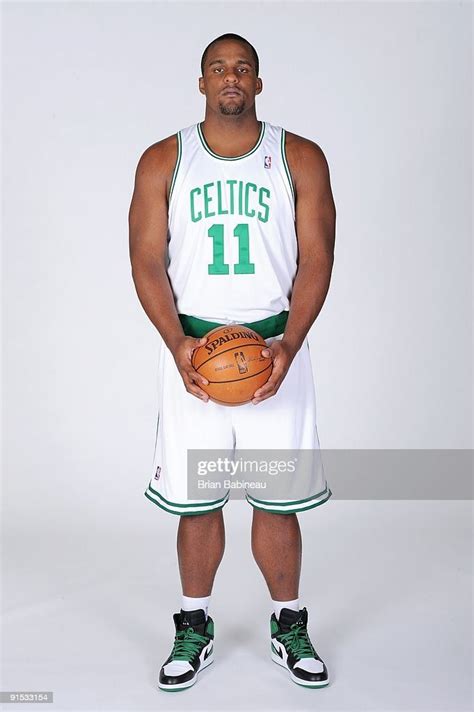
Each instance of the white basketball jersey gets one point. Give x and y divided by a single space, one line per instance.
231 229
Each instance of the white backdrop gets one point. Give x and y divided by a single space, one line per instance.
384 89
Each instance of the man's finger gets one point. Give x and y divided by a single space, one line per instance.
199 342
192 378
268 388
197 378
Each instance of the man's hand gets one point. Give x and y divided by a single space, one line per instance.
282 356
182 354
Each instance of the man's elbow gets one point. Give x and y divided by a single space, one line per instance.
146 266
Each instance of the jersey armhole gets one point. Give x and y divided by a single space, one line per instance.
285 163
176 166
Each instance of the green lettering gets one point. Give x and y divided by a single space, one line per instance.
249 213
220 209
207 201
231 183
241 186
263 217
194 217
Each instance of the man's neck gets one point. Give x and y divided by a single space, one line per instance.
231 135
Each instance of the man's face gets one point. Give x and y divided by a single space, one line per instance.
229 81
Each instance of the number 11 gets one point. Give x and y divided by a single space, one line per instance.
218 266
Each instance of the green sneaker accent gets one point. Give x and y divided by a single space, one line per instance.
273 626
210 628
297 640
187 644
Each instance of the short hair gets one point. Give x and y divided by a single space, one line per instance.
230 36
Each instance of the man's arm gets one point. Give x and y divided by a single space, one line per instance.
148 241
148 230
315 229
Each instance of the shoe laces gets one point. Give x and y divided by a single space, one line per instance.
187 643
297 640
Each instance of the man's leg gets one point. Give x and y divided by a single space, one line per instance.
277 548
200 543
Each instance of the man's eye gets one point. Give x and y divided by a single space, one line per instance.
220 69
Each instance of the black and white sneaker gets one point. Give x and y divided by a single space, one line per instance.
193 650
293 650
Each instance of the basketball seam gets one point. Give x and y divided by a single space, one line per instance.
235 348
238 380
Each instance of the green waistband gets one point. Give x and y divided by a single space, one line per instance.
271 326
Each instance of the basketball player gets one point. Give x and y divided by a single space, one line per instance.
232 220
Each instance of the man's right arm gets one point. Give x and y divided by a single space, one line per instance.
148 230
148 242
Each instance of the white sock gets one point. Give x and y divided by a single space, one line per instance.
278 605
192 604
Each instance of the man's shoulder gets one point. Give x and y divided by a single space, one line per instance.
161 151
300 150
159 159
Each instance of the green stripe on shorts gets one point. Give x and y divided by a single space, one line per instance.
290 507
271 326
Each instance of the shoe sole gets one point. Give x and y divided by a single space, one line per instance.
276 659
184 685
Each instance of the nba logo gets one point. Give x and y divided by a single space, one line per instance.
268 162
157 473
241 362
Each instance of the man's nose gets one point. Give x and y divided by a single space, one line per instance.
231 76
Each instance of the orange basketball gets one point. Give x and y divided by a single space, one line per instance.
232 362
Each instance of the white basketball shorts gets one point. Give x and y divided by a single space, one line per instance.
286 420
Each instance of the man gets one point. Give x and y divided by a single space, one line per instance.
231 219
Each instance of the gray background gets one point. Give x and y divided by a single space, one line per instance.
89 567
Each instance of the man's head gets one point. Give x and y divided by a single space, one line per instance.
236 38
230 80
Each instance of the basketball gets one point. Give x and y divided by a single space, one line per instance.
232 362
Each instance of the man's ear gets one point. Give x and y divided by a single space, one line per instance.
259 87
201 85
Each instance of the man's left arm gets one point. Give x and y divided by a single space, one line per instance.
315 230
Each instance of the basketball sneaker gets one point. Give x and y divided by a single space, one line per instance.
292 649
192 650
